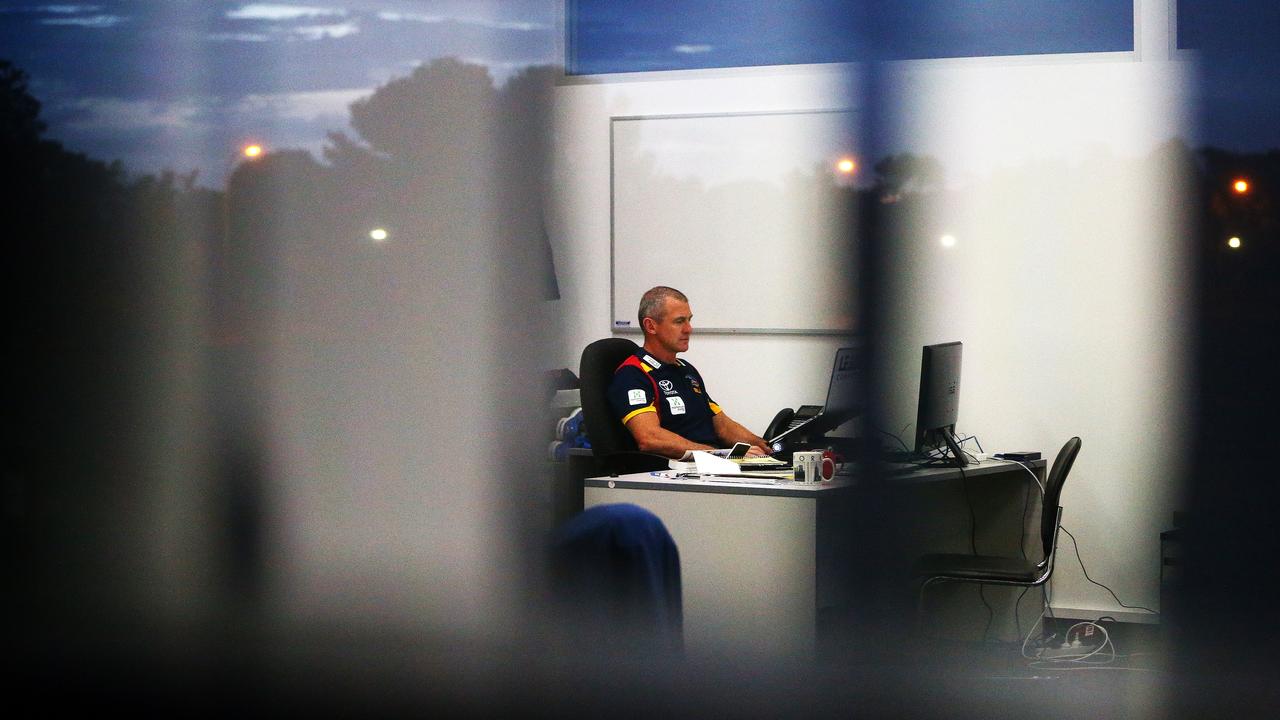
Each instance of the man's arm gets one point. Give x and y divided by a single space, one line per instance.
731 431
652 437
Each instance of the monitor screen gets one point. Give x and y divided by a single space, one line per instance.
844 392
939 402
844 400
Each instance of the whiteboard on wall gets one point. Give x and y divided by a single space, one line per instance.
748 214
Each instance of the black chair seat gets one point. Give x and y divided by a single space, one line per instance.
978 568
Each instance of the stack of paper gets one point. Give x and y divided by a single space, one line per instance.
762 462
705 463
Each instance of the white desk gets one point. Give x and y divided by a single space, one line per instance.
759 561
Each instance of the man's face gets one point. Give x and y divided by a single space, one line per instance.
673 330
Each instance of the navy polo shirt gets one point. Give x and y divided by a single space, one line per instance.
674 391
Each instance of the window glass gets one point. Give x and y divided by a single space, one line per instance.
604 36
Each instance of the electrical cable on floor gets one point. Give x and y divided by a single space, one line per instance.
1027 638
1099 657
1080 658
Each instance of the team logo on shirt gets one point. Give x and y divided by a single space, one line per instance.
668 387
697 387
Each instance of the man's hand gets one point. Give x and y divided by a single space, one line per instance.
730 431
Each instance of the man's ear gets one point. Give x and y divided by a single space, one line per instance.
649 326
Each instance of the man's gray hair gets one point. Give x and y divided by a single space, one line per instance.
654 301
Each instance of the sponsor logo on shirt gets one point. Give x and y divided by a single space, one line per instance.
636 397
668 387
677 405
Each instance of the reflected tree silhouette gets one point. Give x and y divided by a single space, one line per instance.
102 309
352 347
905 172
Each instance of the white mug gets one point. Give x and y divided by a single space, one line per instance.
811 467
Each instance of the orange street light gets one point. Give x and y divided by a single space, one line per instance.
252 151
1241 186
847 166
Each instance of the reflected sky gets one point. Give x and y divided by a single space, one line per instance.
164 84
179 85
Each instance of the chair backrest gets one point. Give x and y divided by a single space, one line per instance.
1053 491
595 372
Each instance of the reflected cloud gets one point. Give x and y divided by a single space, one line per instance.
301 105
410 17
391 16
116 114
238 37
62 9
321 32
92 21
692 49
51 10
285 13
269 11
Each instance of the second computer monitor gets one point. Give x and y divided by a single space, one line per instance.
939 403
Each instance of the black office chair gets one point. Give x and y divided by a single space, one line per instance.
612 445
998 570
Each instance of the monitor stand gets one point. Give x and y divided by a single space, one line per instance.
957 458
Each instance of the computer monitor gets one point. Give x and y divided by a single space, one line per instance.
844 392
844 399
939 401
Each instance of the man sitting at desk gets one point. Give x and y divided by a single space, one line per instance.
662 400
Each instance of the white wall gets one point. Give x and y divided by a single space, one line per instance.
1068 284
